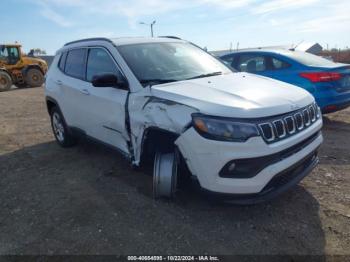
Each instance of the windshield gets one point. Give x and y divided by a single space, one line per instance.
154 63
310 59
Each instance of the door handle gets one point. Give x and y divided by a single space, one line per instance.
85 91
59 82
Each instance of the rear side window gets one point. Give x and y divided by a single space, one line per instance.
251 63
75 63
100 62
278 64
62 61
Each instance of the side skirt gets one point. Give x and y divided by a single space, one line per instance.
81 134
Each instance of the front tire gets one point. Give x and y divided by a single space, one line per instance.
5 81
60 130
165 172
34 77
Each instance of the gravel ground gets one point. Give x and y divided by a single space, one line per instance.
87 199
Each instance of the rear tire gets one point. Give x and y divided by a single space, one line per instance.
60 130
34 77
5 81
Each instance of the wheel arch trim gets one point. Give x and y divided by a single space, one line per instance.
50 99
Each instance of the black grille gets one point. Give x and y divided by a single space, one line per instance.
250 167
306 117
280 128
299 121
312 113
286 125
290 123
268 131
288 175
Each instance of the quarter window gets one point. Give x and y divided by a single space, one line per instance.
62 61
278 64
100 62
75 63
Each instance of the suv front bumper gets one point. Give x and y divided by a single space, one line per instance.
281 183
206 158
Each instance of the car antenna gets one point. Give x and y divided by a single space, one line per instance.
294 47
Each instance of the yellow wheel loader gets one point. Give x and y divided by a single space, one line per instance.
18 69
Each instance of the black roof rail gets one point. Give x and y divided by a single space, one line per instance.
89 39
170 36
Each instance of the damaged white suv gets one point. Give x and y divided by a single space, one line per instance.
240 135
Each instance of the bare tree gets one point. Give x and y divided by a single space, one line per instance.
36 52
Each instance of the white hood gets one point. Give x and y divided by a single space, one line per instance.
240 95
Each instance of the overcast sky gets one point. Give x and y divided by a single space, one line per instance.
214 24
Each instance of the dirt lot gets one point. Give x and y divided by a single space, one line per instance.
87 200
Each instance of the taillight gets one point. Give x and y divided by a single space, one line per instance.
321 76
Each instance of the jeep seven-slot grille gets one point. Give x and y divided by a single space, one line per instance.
278 128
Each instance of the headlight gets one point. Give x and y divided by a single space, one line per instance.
223 129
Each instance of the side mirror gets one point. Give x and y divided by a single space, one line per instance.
107 80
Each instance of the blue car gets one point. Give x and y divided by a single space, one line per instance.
327 81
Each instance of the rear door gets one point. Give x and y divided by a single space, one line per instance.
251 63
278 68
104 107
268 65
73 86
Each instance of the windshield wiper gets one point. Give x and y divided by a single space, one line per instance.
205 75
152 82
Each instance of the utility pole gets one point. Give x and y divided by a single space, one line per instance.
151 25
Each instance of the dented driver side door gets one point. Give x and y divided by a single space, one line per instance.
104 107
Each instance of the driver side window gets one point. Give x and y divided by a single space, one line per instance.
9 54
100 62
13 55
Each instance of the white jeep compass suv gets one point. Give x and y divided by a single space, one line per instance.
240 135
